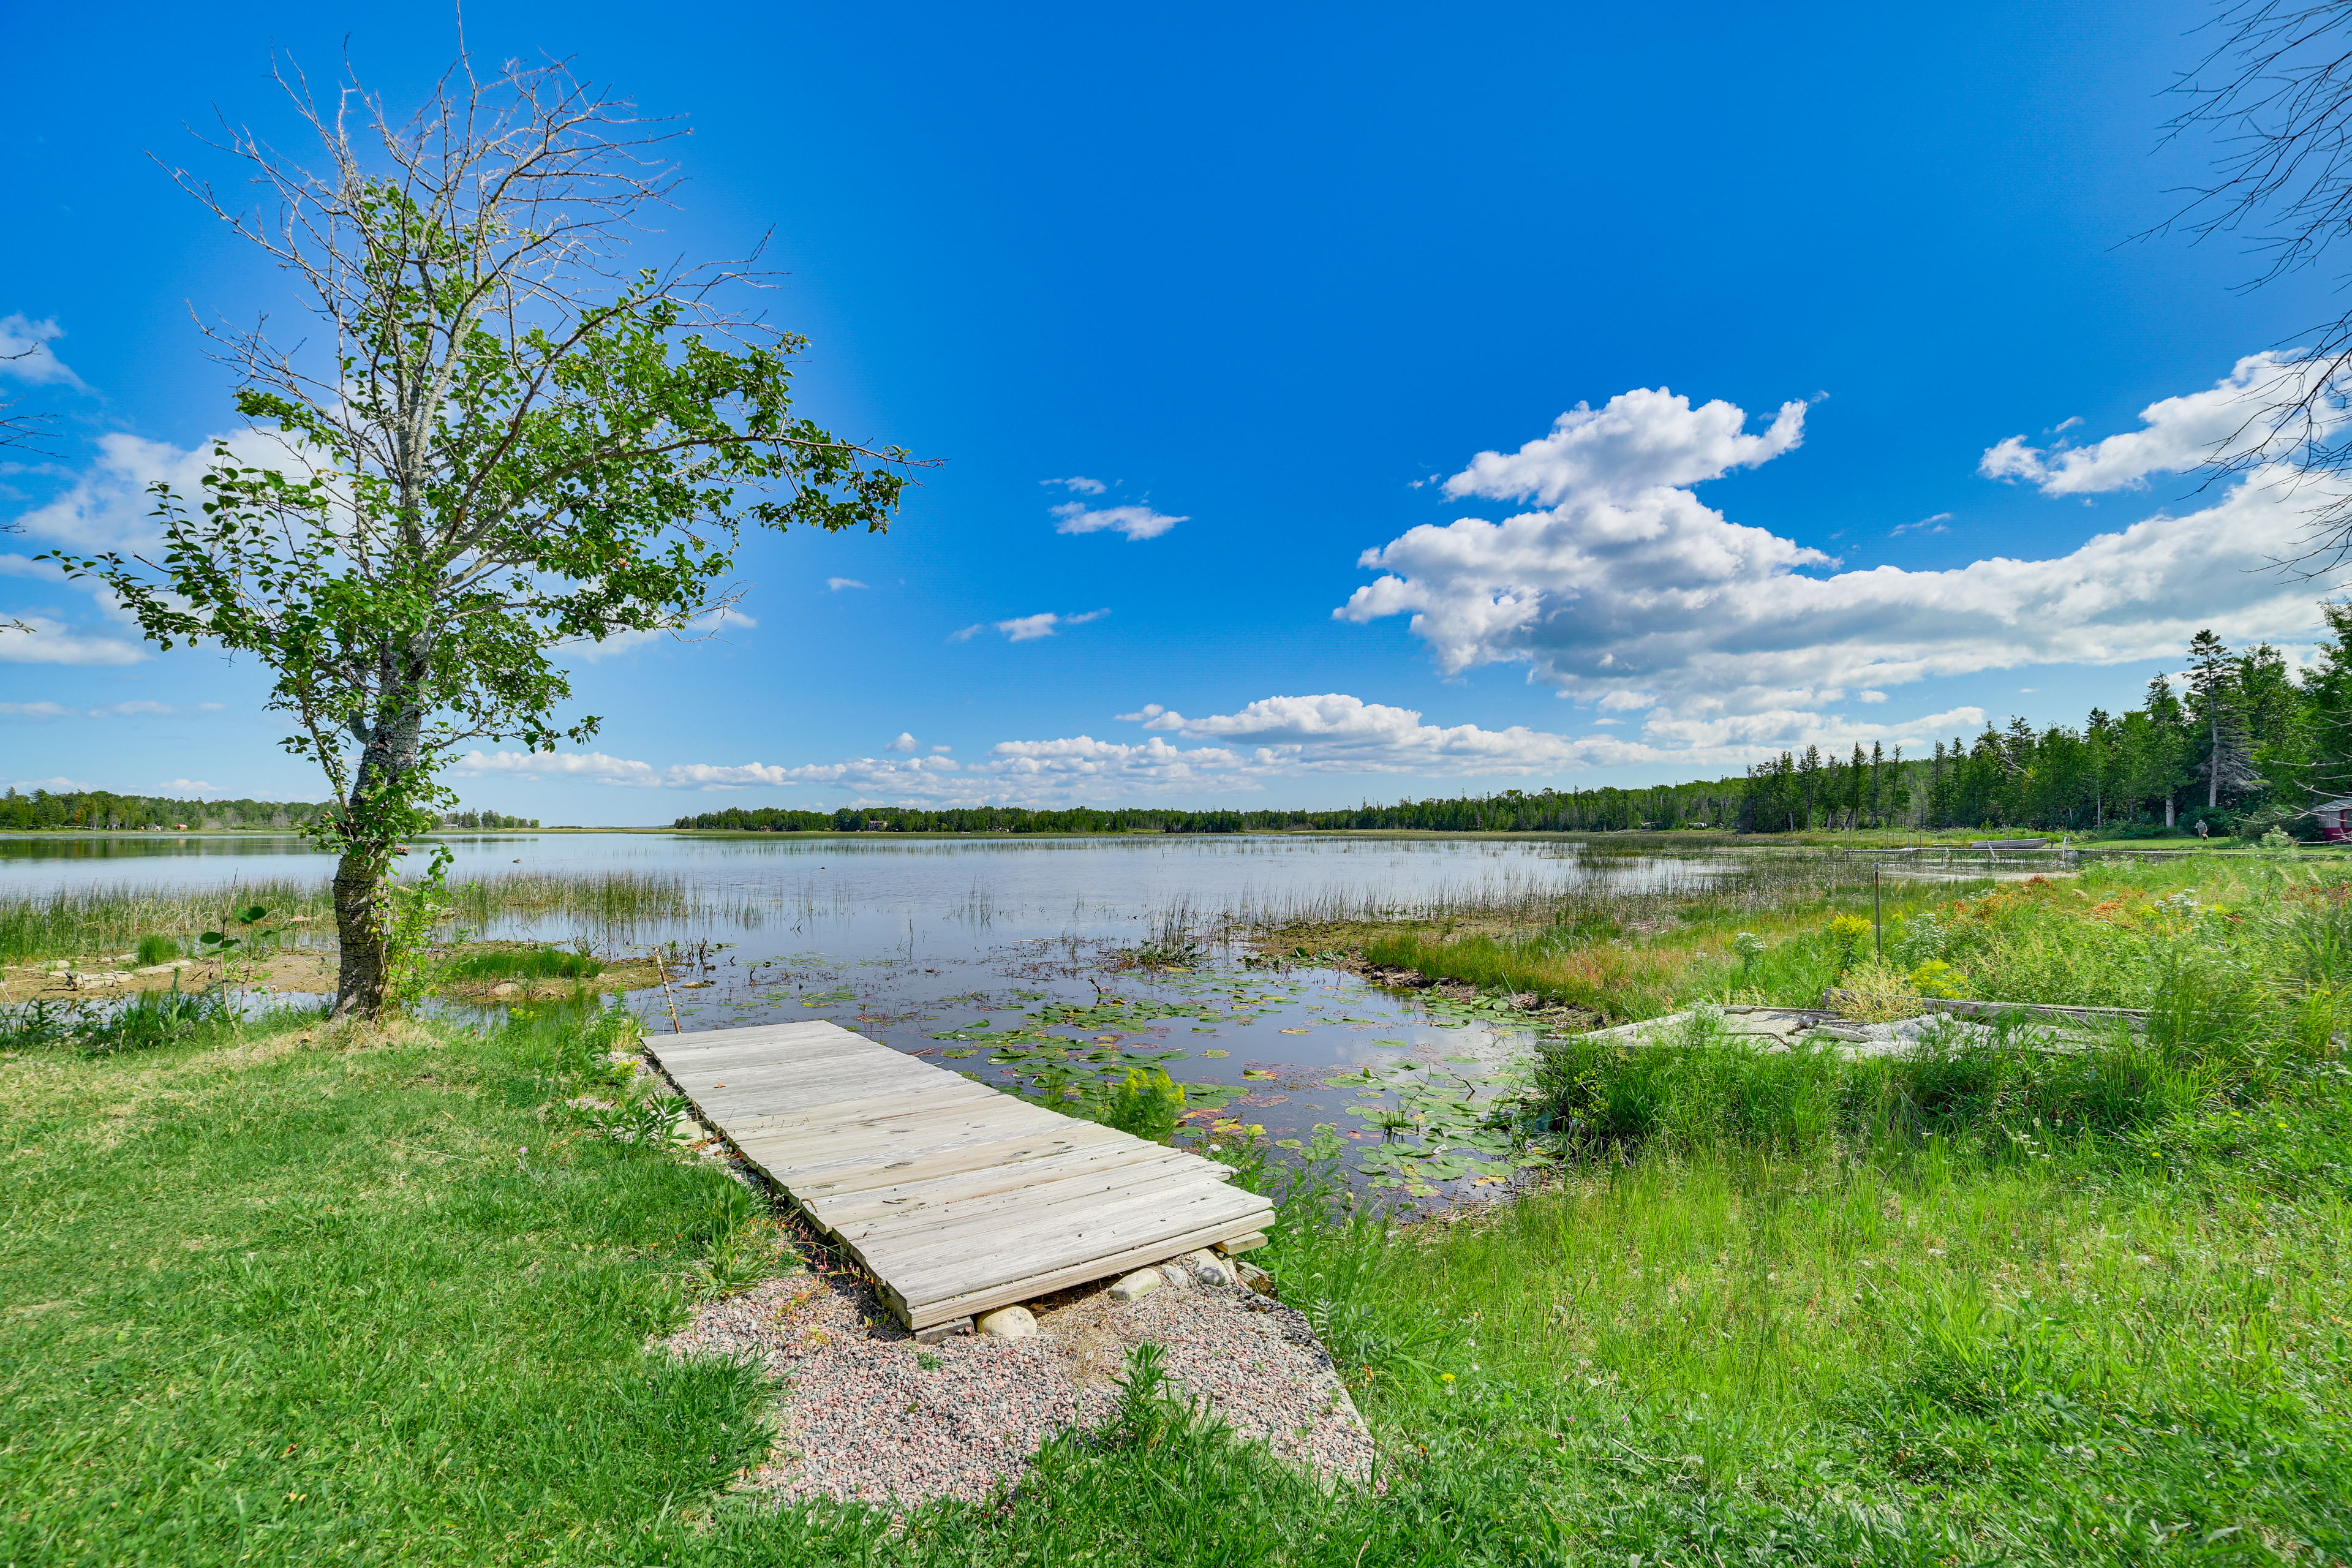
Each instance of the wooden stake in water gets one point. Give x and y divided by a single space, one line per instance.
662 969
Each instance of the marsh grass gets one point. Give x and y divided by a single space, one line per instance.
1990 1092
478 965
82 921
2213 932
604 899
86 922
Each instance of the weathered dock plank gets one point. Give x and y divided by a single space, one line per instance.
958 1198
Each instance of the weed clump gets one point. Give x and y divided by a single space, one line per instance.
483 965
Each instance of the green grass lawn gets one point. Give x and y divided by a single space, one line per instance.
278 1299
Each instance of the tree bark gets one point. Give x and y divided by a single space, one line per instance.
359 930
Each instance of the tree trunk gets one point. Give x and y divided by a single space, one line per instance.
358 928
2213 762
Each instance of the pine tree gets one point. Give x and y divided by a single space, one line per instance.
2228 766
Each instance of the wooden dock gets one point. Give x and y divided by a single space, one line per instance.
958 1198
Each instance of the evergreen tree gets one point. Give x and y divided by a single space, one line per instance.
2227 764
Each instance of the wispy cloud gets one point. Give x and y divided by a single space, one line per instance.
139 706
60 784
1028 628
1135 521
1925 525
40 639
837 584
189 787
1254 748
1078 484
703 627
25 355
597 768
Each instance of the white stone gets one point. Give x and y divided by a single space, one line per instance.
1140 1283
1009 1323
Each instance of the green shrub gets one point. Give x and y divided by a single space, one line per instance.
157 950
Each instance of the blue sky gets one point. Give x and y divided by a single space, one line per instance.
1281 276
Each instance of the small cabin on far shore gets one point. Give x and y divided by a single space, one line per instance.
2334 818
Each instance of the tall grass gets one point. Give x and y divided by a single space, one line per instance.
1588 890
518 963
80 921
1993 1092
86 922
607 900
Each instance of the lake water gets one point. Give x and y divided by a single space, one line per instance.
942 947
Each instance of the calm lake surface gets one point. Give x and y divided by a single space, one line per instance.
938 947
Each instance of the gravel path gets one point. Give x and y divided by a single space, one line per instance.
867 1415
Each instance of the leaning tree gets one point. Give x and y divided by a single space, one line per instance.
496 438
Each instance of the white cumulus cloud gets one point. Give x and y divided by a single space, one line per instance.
1624 589
905 742
2239 417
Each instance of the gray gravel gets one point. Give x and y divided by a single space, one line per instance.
865 1413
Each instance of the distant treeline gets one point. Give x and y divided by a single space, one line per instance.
484 820
103 810
1714 804
2245 743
